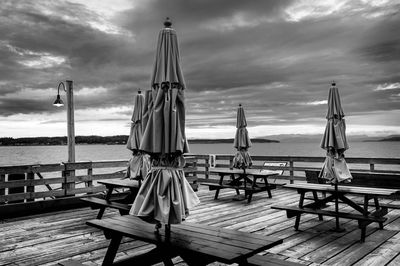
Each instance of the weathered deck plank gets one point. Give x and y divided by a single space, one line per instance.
49 238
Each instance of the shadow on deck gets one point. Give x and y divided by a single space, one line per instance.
49 238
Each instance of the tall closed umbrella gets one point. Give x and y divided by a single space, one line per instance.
139 164
334 141
242 142
165 196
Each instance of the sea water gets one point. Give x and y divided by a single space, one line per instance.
22 155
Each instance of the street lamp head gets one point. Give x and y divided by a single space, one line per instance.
58 102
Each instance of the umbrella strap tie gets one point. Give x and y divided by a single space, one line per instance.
166 168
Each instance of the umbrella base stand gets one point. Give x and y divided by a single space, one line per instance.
239 197
338 229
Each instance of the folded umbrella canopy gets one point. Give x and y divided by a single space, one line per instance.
165 195
139 164
335 169
242 142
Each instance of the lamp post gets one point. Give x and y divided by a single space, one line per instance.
70 117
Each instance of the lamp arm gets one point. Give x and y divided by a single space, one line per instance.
61 83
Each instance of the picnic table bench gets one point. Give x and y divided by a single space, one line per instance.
123 206
196 244
242 179
364 216
364 179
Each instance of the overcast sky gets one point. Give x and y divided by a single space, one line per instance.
276 58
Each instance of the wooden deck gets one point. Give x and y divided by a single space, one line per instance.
49 238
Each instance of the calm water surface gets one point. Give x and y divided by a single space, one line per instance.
57 154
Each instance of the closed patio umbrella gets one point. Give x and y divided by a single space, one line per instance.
139 164
334 141
242 142
165 196
147 107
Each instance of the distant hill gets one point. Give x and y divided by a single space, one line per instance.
120 139
391 138
110 140
208 141
316 138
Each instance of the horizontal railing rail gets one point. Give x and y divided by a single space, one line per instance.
38 182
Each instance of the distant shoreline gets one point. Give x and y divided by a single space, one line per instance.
112 140
122 139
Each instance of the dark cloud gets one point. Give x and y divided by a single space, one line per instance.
232 52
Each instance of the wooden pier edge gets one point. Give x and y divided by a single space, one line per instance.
69 189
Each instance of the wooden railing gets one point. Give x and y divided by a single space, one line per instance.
28 184
32 182
296 165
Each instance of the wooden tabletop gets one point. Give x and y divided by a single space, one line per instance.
345 189
224 245
257 172
126 183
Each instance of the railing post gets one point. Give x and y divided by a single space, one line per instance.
291 172
207 168
30 188
90 182
68 186
2 190
231 162
371 167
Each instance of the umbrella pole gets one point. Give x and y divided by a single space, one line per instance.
167 232
337 227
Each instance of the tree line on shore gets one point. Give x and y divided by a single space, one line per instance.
109 140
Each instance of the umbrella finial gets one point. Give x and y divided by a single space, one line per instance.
240 105
139 91
167 23
333 83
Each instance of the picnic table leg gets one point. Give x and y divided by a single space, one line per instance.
267 187
315 195
253 185
112 250
216 193
250 193
107 198
298 216
363 232
221 178
377 207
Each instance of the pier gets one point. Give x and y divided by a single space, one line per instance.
46 222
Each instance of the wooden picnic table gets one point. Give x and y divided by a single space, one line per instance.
196 244
242 179
364 215
124 205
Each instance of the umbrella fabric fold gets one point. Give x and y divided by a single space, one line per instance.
139 164
242 158
136 132
147 107
165 129
334 141
165 195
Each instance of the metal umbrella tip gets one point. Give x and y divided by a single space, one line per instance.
333 83
167 23
240 104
